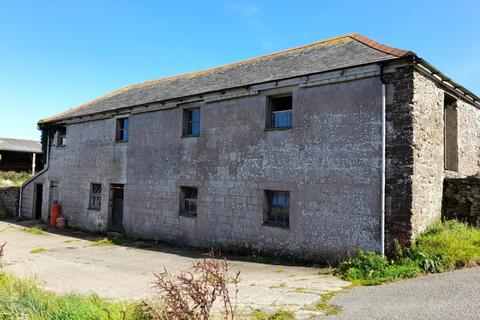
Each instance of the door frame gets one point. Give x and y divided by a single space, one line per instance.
35 200
110 207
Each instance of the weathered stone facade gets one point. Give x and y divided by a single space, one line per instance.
9 198
329 160
461 199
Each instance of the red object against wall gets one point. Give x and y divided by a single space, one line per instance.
54 213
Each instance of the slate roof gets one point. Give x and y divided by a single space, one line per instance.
19 145
340 52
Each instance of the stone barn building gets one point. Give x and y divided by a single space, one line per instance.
311 152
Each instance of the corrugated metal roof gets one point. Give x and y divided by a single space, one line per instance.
19 145
340 52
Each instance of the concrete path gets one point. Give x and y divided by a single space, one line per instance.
69 263
451 295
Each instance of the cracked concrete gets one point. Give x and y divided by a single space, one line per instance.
71 264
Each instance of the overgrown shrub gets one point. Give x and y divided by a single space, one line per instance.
371 268
13 179
191 295
457 243
443 246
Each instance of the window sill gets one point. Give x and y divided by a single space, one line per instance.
121 141
276 225
278 129
93 209
186 215
61 145
190 135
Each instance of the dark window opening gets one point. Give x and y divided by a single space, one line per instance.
191 125
95 199
122 129
450 133
277 208
280 112
62 136
188 205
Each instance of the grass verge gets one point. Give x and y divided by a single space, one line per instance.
23 299
34 230
13 179
39 250
277 315
102 243
444 246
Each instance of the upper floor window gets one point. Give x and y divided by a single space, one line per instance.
450 129
122 129
277 208
62 136
191 122
279 112
188 201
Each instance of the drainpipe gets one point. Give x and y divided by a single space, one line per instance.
384 134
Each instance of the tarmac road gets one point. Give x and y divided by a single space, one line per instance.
451 295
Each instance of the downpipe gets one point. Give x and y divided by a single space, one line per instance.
382 191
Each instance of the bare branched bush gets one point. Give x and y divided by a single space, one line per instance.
192 294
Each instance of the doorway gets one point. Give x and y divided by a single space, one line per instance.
116 207
38 198
52 196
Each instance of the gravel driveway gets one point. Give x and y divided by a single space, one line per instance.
451 295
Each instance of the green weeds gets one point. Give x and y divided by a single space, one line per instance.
442 247
34 230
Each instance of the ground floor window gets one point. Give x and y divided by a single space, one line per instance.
188 201
277 207
95 196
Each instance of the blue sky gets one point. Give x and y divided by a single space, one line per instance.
58 54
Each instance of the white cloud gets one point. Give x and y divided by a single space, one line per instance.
245 10
251 13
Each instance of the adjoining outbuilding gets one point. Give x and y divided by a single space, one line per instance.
311 153
20 155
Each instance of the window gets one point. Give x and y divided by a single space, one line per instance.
450 133
191 122
280 112
277 208
95 196
62 136
122 129
188 201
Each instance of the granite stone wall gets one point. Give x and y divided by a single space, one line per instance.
9 200
461 199
428 152
415 151
399 155
429 148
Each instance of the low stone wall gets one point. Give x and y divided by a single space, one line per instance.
9 200
461 199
